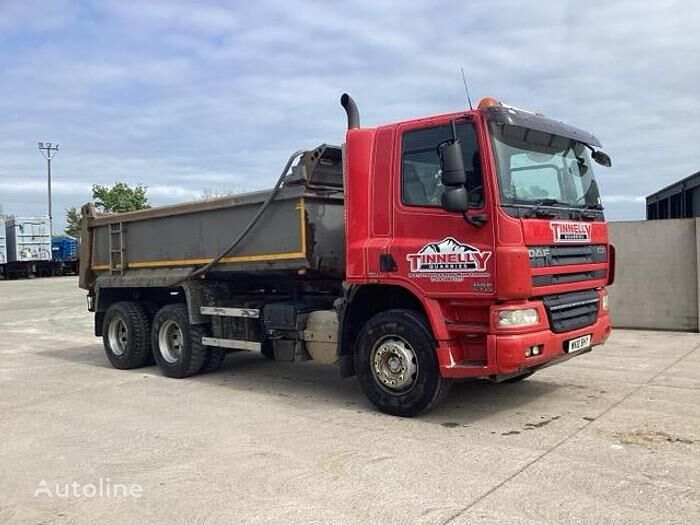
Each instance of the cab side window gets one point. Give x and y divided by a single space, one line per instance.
420 165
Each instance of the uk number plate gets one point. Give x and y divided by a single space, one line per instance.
579 343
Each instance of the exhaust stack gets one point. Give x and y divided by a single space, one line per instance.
351 110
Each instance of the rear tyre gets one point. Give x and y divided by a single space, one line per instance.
125 335
396 364
267 349
214 360
177 344
151 308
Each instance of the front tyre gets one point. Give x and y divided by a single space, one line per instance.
396 364
177 344
125 335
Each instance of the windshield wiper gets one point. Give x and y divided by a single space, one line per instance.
535 210
585 214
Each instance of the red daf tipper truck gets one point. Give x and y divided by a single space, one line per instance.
465 245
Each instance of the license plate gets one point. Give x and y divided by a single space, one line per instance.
579 343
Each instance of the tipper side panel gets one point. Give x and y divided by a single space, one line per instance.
283 239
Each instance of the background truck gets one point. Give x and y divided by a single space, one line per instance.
28 243
3 247
464 245
64 257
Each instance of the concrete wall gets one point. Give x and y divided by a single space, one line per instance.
656 283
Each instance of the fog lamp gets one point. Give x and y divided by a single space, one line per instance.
532 351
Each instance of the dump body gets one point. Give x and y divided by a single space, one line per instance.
301 233
28 239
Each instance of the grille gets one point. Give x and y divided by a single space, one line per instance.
570 311
562 278
564 255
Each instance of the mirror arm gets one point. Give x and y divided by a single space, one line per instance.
595 152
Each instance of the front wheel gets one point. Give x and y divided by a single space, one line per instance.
396 364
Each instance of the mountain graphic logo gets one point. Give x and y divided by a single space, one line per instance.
448 255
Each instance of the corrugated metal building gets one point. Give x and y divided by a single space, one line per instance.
677 201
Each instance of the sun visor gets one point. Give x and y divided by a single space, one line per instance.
524 119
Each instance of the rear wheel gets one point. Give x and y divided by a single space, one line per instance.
214 360
177 344
267 349
396 364
126 330
151 308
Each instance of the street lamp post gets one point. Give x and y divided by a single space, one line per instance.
49 150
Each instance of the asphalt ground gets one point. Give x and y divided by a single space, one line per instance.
612 436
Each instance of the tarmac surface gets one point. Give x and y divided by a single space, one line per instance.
612 436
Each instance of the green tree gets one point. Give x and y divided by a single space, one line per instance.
72 222
120 198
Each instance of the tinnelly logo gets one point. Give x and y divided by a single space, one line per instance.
446 256
571 231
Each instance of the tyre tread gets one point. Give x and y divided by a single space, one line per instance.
193 334
139 327
399 321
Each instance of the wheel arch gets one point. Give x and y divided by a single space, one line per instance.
194 294
362 302
106 296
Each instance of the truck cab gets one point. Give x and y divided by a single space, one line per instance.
512 279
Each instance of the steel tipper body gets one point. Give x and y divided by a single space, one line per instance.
466 245
300 231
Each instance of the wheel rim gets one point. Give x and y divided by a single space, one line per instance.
394 364
118 335
170 341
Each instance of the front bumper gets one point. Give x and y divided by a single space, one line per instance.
506 353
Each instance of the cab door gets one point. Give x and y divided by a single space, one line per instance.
443 254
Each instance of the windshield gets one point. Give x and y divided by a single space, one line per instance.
536 167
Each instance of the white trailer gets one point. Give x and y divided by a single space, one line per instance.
3 247
28 241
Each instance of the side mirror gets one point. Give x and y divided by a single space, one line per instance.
452 163
602 158
455 199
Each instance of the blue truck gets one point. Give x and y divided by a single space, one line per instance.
64 257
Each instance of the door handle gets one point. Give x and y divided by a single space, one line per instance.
476 220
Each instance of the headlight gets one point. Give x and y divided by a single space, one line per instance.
524 317
604 302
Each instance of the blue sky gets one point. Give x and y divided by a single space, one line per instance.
213 97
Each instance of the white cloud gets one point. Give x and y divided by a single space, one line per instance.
610 199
